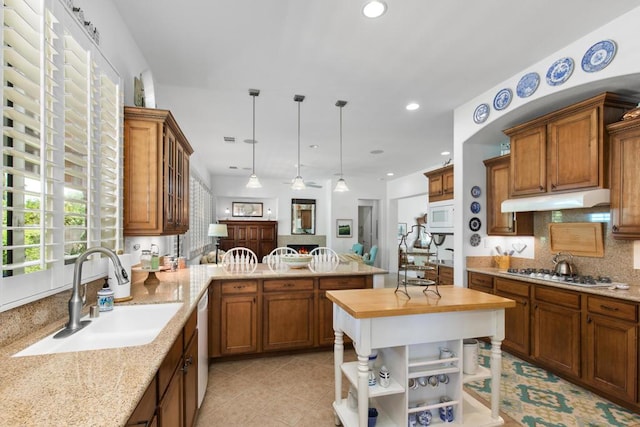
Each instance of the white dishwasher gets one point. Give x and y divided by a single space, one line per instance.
203 346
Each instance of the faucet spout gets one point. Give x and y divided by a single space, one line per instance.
77 301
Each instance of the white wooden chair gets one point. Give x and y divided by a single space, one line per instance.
274 260
240 260
323 259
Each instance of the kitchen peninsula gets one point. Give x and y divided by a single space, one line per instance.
409 334
104 387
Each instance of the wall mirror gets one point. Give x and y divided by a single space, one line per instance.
303 216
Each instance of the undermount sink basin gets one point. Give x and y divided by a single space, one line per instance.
124 326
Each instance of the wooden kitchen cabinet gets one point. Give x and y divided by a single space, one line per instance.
556 332
498 188
189 371
566 150
625 179
145 412
440 184
612 346
288 314
156 174
516 321
480 282
238 311
445 275
259 236
325 306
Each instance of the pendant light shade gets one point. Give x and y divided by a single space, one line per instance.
253 179
341 185
298 182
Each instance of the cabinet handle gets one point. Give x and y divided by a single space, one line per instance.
524 303
541 188
608 307
288 285
614 228
238 286
553 185
589 319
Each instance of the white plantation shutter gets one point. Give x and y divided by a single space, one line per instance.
61 150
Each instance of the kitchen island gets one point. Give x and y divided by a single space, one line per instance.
409 335
103 387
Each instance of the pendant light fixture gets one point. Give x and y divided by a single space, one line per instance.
253 179
341 185
298 182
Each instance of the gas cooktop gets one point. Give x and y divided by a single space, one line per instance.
577 280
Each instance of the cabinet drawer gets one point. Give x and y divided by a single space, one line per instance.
239 287
342 282
445 273
479 281
512 287
288 285
612 308
190 327
557 297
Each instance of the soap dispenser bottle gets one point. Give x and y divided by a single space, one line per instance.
105 297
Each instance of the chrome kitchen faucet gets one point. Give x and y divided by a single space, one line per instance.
76 302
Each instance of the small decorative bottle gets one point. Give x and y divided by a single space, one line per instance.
384 377
155 257
372 378
105 297
145 259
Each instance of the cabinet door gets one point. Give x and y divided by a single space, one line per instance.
170 407
145 412
436 186
516 321
182 190
170 185
287 320
625 181
238 324
445 275
447 182
528 168
574 151
325 320
190 372
556 338
142 171
612 356
480 282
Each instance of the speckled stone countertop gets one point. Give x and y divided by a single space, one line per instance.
631 294
103 387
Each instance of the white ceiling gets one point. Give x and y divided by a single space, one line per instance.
206 54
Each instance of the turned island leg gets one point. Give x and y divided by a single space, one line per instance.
496 371
338 358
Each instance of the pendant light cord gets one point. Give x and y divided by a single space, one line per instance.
341 142
253 137
299 138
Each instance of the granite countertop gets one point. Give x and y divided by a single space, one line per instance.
103 387
262 271
631 294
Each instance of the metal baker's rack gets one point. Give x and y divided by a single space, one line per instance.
404 267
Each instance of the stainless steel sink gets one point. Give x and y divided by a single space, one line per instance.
124 326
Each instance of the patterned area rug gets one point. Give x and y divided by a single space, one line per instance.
536 398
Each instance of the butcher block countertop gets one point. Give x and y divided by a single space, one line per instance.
370 303
103 387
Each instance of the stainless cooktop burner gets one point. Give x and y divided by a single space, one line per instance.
549 275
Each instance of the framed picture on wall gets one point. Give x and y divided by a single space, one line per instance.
344 227
402 229
242 209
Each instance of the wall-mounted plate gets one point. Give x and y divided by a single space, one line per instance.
475 239
475 191
475 224
475 207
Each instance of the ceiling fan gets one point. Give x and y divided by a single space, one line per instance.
311 184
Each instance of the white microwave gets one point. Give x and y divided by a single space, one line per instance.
440 217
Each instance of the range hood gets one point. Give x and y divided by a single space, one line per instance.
554 202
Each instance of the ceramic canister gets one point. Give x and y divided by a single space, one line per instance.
105 299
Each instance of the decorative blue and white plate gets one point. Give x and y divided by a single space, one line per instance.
528 84
475 207
598 56
475 191
481 113
475 239
560 71
502 99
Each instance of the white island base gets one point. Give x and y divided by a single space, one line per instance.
409 346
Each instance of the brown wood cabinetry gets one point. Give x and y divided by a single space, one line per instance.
145 412
565 150
156 174
498 188
265 315
440 184
445 275
556 339
259 236
189 371
516 319
238 313
480 282
625 179
288 314
612 346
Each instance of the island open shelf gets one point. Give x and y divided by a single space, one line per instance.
409 335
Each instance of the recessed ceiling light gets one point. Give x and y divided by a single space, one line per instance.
445 153
314 146
374 9
376 151
389 173
413 106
